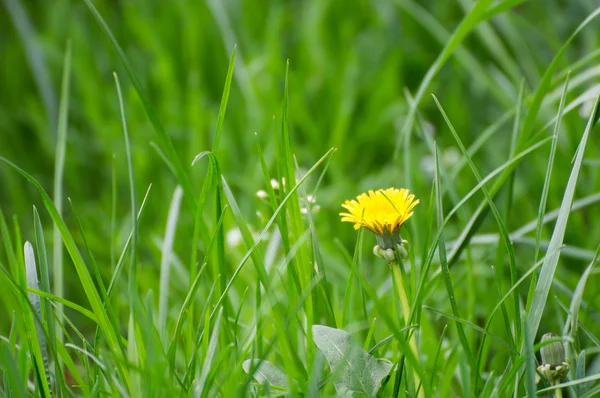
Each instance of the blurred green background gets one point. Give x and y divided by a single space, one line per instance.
352 65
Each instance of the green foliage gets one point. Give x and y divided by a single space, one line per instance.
264 372
246 124
353 370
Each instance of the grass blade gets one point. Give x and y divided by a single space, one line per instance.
210 353
473 326
551 260
66 303
224 101
35 330
544 197
165 263
61 146
132 348
419 296
296 229
446 274
529 363
268 225
14 384
578 297
526 132
47 308
84 276
570 383
501 225
121 261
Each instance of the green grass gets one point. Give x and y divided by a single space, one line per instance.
136 135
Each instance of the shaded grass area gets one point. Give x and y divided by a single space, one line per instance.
180 112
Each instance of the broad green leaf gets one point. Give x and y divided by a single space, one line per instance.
265 372
354 370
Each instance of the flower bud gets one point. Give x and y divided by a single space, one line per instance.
555 366
402 251
386 254
553 354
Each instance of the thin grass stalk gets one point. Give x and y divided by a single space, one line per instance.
405 305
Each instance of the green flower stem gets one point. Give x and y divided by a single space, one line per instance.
401 290
402 296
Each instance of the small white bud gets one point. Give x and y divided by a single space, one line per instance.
233 237
402 251
386 254
451 156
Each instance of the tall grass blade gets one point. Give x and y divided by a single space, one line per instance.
132 348
571 327
47 308
419 296
473 326
113 215
545 189
84 276
210 353
224 101
529 363
301 263
66 303
165 263
14 385
551 260
61 147
121 261
37 339
501 225
283 202
503 308
526 133
246 235
446 274
572 383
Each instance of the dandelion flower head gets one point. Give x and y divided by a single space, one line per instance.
381 211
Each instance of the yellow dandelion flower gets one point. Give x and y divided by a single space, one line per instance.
382 211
